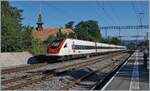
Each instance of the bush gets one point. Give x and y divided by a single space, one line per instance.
50 39
38 49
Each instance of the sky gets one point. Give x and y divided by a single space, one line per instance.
55 14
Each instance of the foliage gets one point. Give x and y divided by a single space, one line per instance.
16 37
88 30
111 40
11 28
131 45
72 35
69 24
105 40
27 38
38 49
49 40
115 40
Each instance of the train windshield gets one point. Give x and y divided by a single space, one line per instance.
55 43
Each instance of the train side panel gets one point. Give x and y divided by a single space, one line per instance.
78 47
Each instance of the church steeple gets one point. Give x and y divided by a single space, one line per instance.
39 23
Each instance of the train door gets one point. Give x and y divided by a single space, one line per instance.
73 47
96 47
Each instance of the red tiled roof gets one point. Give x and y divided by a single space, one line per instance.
44 34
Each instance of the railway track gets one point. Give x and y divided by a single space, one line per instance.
101 82
78 81
32 80
24 68
36 67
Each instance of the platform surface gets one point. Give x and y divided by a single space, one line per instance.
13 59
131 76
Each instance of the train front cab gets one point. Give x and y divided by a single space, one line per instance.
55 46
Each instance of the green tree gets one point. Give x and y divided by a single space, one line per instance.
27 38
15 36
88 30
69 24
105 40
131 45
115 40
11 28
50 39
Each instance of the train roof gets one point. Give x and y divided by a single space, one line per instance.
98 42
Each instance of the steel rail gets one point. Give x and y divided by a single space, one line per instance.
24 68
109 74
71 84
18 69
44 77
56 70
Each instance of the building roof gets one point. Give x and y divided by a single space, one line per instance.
45 33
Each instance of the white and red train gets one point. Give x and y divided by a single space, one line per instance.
67 47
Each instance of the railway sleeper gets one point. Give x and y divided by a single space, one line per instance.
42 79
87 75
99 84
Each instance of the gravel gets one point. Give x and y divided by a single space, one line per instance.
63 80
44 68
59 81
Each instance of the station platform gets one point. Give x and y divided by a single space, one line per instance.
131 76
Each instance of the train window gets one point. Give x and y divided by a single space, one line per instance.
55 43
65 45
